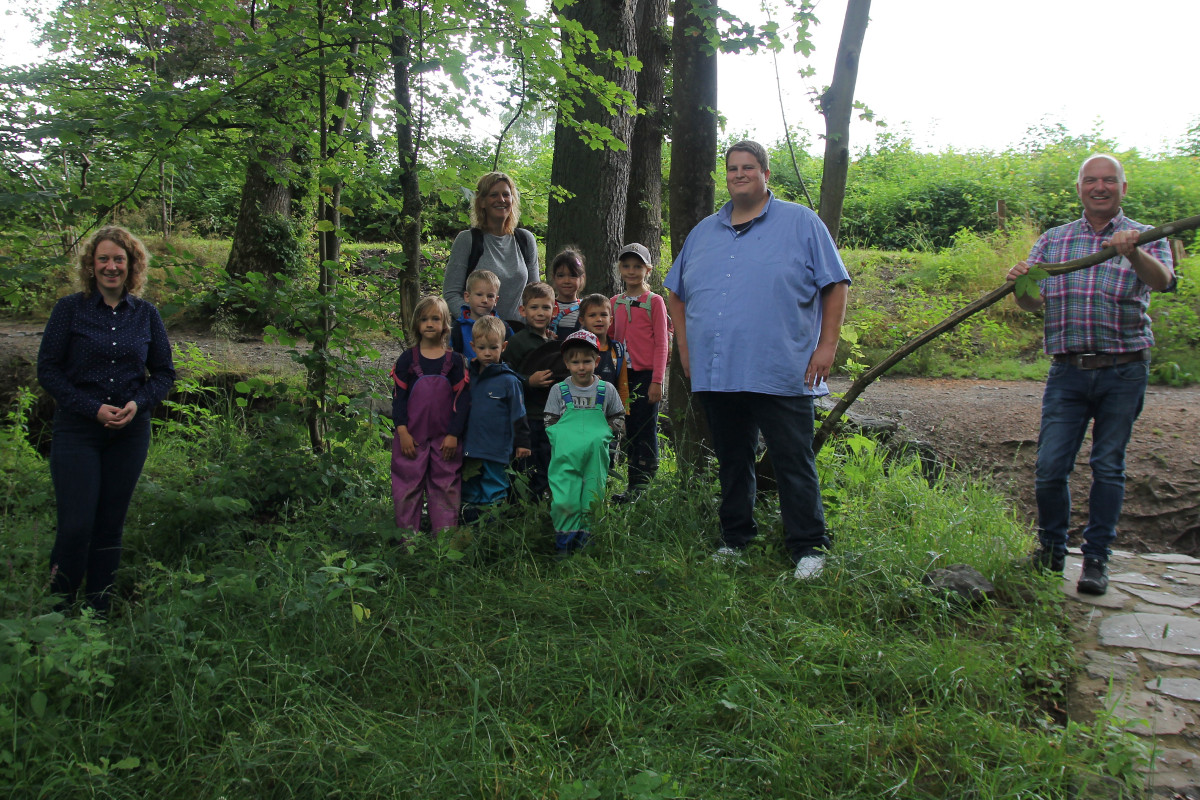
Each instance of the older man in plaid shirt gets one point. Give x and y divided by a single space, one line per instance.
1098 337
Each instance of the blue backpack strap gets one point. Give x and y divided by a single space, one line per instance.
621 350
566 393
600 395
561 311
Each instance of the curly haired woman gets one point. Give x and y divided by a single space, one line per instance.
106 360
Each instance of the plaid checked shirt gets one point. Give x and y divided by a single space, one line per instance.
1101 309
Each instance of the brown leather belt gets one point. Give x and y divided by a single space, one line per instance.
1100 360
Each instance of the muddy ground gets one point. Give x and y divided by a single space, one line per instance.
986 427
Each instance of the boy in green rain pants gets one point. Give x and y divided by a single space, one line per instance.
583 414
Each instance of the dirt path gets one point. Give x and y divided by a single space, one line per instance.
987 427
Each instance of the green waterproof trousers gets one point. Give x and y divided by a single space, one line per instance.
578 462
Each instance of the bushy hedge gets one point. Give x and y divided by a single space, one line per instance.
898 198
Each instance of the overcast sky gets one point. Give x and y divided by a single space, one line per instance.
969 75
963 73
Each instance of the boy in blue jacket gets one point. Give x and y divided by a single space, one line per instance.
479 301
496 424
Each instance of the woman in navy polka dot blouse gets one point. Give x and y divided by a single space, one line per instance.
106 361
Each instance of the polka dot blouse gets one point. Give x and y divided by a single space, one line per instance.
93 354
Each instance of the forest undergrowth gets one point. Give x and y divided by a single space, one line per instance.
275 637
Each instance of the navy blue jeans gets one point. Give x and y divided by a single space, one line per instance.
536 466
1111 399
94 471
734 420
641 430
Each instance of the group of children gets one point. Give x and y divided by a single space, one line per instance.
558 396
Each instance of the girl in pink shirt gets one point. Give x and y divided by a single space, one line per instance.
640 322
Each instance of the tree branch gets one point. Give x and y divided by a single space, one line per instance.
952 321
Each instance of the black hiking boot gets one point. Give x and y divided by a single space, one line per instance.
1094 579
1044 559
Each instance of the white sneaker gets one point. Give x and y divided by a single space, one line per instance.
809 567
728 556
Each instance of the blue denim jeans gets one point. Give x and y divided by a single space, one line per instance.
1111 399
486 486
94 471
734 420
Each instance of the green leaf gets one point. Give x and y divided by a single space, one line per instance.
578 790
129 762
1026 286
324 225
38 702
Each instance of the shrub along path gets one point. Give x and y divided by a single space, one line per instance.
1139 644
991 428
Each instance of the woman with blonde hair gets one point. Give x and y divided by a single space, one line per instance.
429 411
495 243
106 361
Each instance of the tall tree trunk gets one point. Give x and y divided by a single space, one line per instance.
265 211
837 103
410 187
643 216
692 191
329 237
264 238
597 180
318 369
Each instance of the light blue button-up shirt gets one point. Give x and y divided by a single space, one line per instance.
753 299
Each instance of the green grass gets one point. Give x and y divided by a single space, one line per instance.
267 645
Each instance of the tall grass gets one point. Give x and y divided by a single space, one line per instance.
897 295
302 650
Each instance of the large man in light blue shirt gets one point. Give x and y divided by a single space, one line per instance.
757 297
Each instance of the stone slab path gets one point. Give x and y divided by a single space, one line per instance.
1140 650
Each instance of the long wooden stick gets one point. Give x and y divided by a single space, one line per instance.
950 322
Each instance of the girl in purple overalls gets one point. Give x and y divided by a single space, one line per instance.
429 410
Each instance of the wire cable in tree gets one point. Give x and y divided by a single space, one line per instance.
787 133
516 115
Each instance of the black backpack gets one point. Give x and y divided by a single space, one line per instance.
525 242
